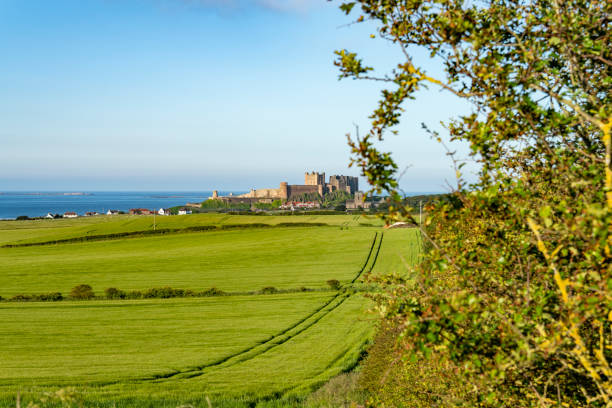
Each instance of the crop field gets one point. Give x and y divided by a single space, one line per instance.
400 249
245 348
234 260
33 231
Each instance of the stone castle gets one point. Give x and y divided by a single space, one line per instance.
314 183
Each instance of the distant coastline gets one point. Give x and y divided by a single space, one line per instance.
33 204
46 193
38 204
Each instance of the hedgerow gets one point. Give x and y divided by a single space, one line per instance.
513 299
39 297
82 292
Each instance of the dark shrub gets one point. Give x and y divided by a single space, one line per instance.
305 289
22 218
134 294
212 292
82 292
334 284
268 290
48 297
164 293
21 298
114 293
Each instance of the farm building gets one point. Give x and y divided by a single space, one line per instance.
141 211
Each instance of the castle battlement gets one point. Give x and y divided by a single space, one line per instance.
314 183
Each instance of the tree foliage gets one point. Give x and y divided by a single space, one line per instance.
82 292
514 293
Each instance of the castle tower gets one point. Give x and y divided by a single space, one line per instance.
321 190
215 194
284 190
314 179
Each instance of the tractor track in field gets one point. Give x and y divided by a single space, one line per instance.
279 338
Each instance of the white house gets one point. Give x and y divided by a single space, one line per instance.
49 215
112 212
184 211
70 214
164 211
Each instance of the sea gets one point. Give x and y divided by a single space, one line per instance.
38 204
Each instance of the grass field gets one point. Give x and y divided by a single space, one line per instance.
255 350
153 337
234 260
400 249
19 232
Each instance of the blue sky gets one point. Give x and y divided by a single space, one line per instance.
193 95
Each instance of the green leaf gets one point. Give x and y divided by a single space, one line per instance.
347 7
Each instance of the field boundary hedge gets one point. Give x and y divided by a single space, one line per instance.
163 231
156 293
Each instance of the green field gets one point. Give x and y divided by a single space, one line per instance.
234 260
240 350
19 232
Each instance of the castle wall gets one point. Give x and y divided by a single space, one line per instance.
275 193
344 183
295 190
268 193
314 184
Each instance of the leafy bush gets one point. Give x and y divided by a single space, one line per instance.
21 298
334 284
391 380
82 292
114 293
134 294
164 293
42 297
268 206
220 205
268 290
515 291
212 292
49 297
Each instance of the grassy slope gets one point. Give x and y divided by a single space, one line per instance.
108 341
237 260
125 341
293 368
400 248
46 230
